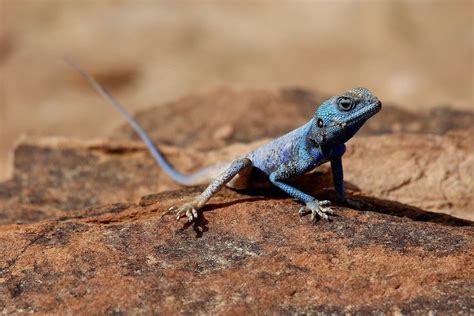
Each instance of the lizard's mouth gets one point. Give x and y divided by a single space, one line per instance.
362 115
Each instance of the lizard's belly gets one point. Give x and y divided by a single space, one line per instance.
268 158
253 178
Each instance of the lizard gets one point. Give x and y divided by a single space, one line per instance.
322 139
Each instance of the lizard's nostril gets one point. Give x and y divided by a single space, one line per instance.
379 104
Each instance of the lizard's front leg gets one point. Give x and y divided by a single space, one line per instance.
190 210
338 179
313 206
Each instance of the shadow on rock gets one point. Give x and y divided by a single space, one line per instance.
398 209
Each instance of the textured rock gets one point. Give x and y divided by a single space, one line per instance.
435 173
246 254
56 176
93 239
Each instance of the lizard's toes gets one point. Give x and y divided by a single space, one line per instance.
176 211
187 210
189 215
327 210
318 213
324 203
172 210
304 211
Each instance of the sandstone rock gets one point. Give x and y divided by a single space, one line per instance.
83 232
434 173
247 254
56 176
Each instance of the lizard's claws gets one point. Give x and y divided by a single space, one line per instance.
189 210
317 209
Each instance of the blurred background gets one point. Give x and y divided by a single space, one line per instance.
417 54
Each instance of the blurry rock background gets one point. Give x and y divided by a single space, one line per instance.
418 54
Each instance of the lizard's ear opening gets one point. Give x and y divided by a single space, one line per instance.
320 123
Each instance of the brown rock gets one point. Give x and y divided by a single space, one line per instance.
247 254
95 242
54 177
435 173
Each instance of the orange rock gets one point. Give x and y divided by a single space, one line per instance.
93 239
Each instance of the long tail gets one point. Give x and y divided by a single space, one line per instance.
183 179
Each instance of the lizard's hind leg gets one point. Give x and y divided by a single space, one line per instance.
190 210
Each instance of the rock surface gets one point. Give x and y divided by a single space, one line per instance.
247 254
54 177
82 228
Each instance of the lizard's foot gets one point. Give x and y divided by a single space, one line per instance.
190 210
317 209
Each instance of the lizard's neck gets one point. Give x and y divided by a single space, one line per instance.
328 138
313 133
312 137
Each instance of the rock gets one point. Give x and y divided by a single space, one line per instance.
431 172
82 229
247 254
54 177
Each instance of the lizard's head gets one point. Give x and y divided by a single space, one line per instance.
340 117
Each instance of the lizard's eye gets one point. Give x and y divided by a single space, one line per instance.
345 103
320 123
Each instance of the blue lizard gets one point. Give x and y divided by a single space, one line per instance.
320 140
